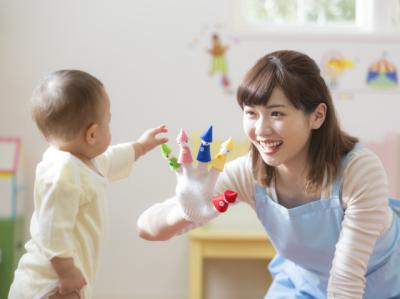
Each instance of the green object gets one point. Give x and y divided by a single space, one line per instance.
172 161
165 150
219 65
12 247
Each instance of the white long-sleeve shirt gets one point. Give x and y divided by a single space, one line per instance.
366 216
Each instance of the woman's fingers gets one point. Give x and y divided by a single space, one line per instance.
183 164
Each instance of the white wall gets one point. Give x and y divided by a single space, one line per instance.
139 49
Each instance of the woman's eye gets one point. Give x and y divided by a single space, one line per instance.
250 113
276 113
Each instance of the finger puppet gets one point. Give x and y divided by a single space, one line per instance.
185 155
204 154
222 201
172 161
219 161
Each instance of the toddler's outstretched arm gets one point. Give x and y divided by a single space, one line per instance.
149 140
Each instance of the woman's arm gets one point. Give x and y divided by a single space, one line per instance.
367 216
164 220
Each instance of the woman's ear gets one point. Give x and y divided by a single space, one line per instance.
91 133
318 116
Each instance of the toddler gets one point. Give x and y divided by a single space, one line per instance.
72 110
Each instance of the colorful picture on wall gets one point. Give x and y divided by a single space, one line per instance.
217 42
10 151
9 157
334 64
382 74
219 64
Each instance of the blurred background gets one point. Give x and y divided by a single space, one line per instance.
179 63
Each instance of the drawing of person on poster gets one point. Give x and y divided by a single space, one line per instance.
218 60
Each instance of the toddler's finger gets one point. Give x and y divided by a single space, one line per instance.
161 129
161 140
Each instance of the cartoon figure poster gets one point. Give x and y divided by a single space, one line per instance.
382 74
217 44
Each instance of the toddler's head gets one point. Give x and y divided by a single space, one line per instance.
72 106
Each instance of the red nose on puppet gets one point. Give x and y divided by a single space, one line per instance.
221 202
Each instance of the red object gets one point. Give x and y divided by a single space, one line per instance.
221 202
225 82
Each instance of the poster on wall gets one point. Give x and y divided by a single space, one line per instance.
334 65
347 77
10 149
382 74
217 44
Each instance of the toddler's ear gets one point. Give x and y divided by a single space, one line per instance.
91 134
318 116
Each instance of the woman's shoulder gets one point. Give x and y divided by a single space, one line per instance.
239 163
363 176
239 169
361 159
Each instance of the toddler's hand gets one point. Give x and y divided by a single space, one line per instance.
71 281
150 140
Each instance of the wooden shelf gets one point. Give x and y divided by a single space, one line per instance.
207 243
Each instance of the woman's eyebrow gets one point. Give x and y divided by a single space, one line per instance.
275 106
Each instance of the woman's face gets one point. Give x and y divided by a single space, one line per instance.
279 131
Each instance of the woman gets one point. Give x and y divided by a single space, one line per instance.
321 197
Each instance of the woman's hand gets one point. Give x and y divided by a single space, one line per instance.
195 185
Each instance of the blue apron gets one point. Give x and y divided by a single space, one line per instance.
305 238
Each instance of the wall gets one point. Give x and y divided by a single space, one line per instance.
140 50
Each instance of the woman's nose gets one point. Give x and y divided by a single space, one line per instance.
263 127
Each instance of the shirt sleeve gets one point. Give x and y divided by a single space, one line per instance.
367 216
116 162
56 218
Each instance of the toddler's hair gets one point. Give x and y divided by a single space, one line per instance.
66 102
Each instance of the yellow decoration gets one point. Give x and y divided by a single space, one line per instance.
219 161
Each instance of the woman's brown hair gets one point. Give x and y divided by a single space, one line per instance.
298 76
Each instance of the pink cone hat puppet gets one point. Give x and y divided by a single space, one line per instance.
185 156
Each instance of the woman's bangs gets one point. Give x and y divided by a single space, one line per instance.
256 91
